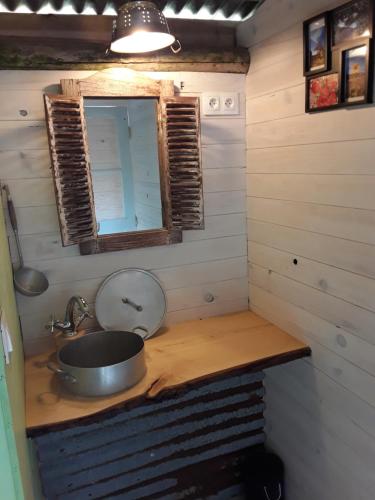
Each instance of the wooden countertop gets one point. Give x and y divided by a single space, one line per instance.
175 356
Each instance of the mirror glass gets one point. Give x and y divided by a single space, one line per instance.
123 149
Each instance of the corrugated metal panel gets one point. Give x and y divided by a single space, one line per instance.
170 448
234 10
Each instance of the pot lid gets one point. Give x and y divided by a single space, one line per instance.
132 300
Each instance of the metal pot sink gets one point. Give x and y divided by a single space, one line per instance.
101 363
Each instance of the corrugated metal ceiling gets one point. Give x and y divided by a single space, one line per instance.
220 10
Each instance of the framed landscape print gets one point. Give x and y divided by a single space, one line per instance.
356 84
351 21
322 92
316 39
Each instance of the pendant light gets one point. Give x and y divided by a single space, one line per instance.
141 27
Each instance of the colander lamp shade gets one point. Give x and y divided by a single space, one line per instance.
140 27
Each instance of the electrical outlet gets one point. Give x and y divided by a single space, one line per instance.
211 104
223 103
230 104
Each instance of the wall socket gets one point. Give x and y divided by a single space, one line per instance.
220 103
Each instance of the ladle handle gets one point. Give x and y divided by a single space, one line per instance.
13 221
12 212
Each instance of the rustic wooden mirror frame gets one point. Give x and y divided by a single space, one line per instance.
180 180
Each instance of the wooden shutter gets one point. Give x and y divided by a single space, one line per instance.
181 130
71 168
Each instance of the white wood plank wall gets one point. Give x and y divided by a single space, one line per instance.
213 260
311 227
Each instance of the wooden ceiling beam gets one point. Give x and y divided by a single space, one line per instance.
26 53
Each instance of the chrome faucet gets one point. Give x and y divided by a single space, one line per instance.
70 324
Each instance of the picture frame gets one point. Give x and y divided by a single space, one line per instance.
352 21
323 92
316 44
356 86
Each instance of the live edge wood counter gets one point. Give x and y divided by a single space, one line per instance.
176 356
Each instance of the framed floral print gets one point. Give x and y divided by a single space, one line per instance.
322 92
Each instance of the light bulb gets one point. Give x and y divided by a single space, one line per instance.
142 41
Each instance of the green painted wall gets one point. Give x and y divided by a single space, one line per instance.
16 460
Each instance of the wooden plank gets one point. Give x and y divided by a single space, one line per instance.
202 348
28 164
354 191
223 156
196 296
217 226
350 287
284 45
193 82
41 246
191 275
308 129
225 179
324 158
342 254
21 104
219 306
123 82
320 219
276 105
281 75
223 203
223 131
81 267
24 135
36 220
32 192
129 240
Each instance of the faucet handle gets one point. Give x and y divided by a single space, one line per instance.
82 317
51 324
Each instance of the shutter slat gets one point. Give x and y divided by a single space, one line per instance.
71 168
180 118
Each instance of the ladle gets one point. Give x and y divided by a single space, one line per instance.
27 281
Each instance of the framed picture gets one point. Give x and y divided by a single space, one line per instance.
322 92
356 74
316 39
351 21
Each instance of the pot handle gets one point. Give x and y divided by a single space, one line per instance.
144 331
67 377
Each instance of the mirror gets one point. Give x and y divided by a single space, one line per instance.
123 149
125 158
